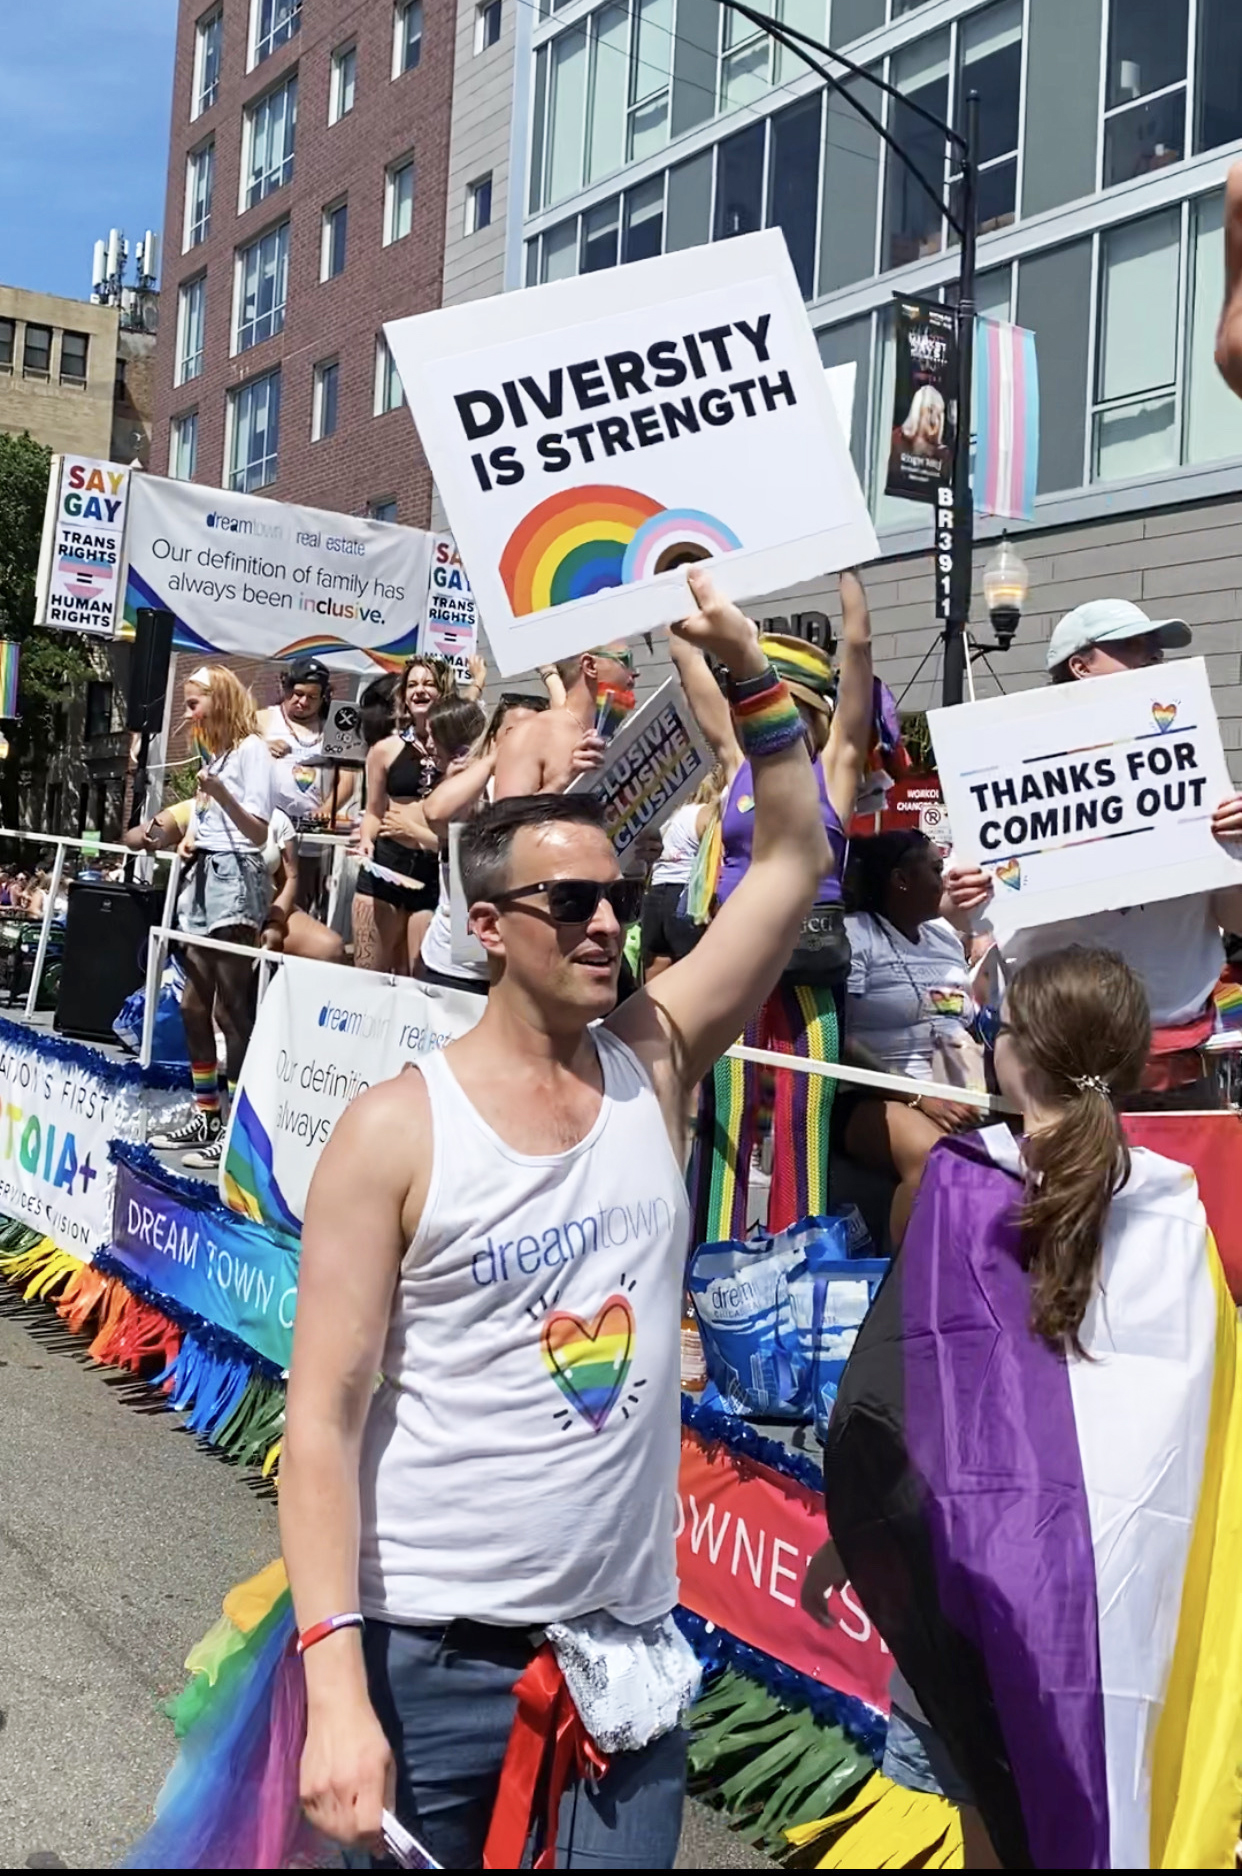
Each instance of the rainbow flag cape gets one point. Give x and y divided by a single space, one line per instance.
1006 408
1052 1547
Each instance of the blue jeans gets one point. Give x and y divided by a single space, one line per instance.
444 1697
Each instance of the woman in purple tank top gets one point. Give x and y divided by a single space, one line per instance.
802 1015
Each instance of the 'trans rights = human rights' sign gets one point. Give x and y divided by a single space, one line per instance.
1089 797
590 438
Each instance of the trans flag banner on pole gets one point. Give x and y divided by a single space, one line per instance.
1006 415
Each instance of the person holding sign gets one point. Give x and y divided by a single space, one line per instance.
546 754
500 1232
1175 945
803 1014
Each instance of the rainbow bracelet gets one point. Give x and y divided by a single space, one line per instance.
320 1631
766 716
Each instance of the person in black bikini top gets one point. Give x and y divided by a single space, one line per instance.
399 882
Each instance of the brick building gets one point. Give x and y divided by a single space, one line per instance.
306 190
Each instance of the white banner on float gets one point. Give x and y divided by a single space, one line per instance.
78 588
57 1118
1089 797
591 436
324 1033
272 580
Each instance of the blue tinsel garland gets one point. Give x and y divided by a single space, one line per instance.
140 1159
722 1429
717 1649
91 1061
218 1341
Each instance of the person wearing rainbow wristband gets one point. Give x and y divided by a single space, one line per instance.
500 1232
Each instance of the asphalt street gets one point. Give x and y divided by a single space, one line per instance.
119 1535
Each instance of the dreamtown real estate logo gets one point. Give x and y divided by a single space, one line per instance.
345 1022
235 524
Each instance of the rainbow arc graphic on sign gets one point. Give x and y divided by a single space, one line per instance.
582 541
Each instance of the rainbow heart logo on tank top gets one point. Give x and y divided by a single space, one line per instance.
589 1361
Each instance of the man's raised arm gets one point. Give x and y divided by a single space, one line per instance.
705 1001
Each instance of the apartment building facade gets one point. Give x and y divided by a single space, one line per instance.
58 370
305 206
1108 127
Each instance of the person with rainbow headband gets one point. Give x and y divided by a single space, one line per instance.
802 1016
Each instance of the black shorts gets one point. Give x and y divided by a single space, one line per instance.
420 869
665 933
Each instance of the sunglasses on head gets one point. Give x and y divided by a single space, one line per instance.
576 901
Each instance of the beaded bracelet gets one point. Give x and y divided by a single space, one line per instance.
320 1631
765 715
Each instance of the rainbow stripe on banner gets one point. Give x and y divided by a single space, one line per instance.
10 662
1006 402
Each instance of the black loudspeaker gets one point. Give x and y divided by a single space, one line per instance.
148 669
104 956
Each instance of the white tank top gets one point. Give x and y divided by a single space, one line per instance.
520 1457
680 850
436 949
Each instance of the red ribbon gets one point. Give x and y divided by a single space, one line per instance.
548 1743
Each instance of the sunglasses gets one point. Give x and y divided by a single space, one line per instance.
576 901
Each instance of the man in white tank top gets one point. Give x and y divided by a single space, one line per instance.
500 1234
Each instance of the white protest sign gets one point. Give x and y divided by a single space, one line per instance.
592 436
1089 797
841 380
657 758
451 630
79 580
465 946
324 1033
272 580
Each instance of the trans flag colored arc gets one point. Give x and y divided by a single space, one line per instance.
581 541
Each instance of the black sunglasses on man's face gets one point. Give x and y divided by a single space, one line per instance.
576 901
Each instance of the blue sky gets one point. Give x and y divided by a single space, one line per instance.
84 113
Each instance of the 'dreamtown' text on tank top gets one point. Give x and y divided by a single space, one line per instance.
520 1456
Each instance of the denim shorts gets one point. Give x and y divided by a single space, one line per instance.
915 1757
224 889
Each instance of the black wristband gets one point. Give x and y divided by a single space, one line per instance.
742 688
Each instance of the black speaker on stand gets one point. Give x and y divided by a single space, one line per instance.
104 956
148 682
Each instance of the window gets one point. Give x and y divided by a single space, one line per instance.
739 183
254 433
1218 85
206 85
912 221
120 388
323 412
271 125
388 391
1136 369
399 201
852 18
793 184
643 231
847 344
183 447
479 205
1062 103
688 220
851 191
652 56
200 169
567 89
487 19
98 708
601 233
1054 301
385 509
1212 425
610 39
37 353
262 288
8 332
989 61
191 318
332 240
74 347
407 36
342 83
274 21
746 61
559 259
1145 89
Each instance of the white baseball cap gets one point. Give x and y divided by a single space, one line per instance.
1104 621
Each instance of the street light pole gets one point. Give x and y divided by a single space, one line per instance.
954 544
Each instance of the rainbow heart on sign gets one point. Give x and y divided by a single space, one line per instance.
589 1361
1009 873
1164 716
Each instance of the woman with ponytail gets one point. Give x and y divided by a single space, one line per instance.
1034 1466
226 894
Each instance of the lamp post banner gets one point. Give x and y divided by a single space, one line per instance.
1089 798
925 398
273 580
591 437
